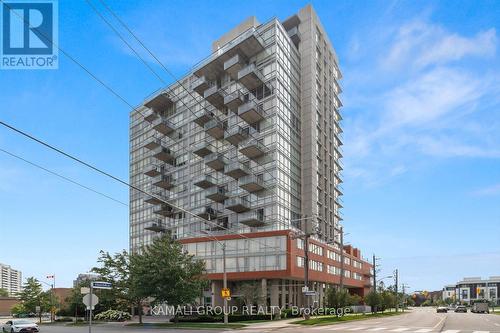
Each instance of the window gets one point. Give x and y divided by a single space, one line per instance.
300 262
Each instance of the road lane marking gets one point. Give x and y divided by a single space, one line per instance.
424 330
330 327
400 329
481 332
451 331
356 328
377 329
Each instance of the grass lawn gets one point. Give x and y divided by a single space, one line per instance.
326 320
188 325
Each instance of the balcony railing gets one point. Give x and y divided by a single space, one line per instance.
215 129
206 212
164 154
237 205
200 85
252 149
236 134
251 112
233 65
203 149
294 35
164 181
234 100
150 115
254 218
165 210
203 116
214 96
251 183
204 181
250 77
159 102
216 161
236 170
163 125
151 143
156 225
216 193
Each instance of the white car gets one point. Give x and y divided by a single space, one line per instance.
20 325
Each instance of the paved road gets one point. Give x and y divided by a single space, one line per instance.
417 321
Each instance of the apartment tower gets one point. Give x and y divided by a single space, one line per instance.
245 152
10 280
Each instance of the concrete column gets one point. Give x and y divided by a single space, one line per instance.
216 296
263 293
321 294
275 292
284 290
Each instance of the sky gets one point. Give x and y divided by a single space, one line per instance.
421 95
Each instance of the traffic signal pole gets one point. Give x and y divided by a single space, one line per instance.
226 320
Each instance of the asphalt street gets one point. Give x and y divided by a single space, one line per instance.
424 320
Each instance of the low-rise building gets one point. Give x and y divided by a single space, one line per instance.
473 289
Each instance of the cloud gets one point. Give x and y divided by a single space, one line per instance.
486 191
421 44
422 99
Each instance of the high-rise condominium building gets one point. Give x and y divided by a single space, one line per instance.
10 280
245 152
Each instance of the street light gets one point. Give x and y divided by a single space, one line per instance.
52 296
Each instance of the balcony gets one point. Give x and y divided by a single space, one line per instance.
237 205
250 77
215 129
251 112
233 101
253 218
236 134
252 149
163 126
236 170
220 224
165 210
149 115
160 102
205 181
251 183
152 143
203 149
200 85
206 212
216 193
203 116
153 171
156 225
164 154
155 199
216 161
164 181
233 65
214 96
246 44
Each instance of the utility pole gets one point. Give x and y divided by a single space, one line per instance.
374 263
404 286
306 272
396 288
223 244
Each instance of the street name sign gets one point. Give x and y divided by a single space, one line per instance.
101 285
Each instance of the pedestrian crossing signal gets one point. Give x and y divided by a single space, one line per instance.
225 293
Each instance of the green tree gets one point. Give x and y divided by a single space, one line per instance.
4 292
74 302
165 272
374 300
116 269
18 309
339 298
33 295
388 300
251 293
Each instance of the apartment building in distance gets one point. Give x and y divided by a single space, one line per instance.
473 289
245 152
10 280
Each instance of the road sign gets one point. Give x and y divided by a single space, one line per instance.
305 289
101 285
225 293
310 293
86 301
85 290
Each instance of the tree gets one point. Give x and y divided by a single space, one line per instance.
116 269
33 295
250 293
165 272
374 300
18 309
74 302
4 292
388 300
337 298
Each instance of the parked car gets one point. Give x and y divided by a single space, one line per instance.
20 325
461 308
442 309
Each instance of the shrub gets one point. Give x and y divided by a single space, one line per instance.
113 315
